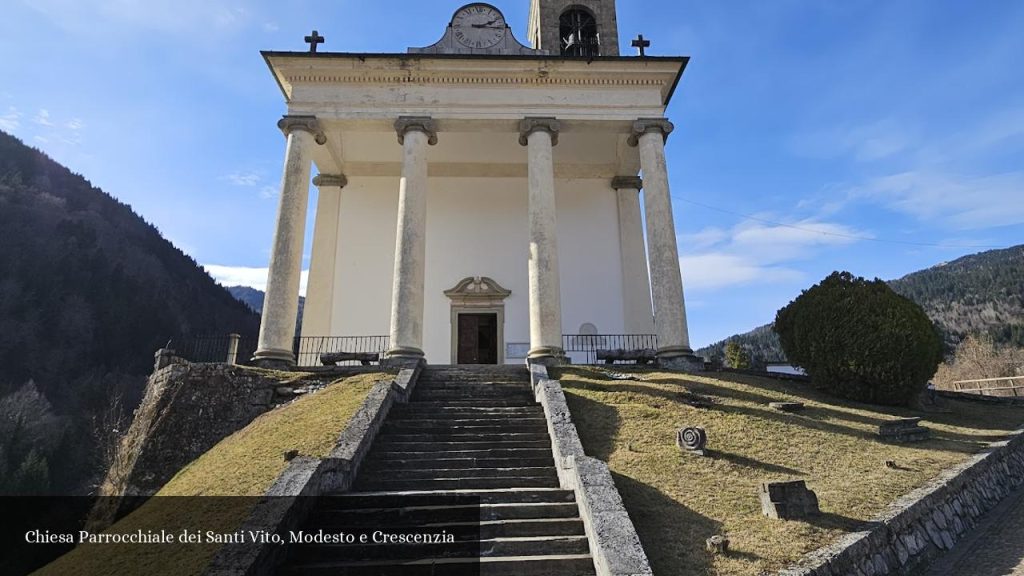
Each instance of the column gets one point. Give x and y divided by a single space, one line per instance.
540 135
324 256
650 135
636 286
414 134
281 304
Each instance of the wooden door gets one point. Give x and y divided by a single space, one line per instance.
478 339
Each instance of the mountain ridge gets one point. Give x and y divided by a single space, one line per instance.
977 293
89 291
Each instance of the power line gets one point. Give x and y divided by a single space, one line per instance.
828 233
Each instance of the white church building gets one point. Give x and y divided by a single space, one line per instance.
480 200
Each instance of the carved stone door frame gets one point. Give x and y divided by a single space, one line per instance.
477 295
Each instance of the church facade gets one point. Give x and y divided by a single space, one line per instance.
478 199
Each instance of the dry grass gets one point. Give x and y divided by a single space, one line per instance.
243 464
677 501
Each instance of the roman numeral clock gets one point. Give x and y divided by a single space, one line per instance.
479 26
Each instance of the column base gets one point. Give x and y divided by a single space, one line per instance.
546 355
679 358
402 362
404 352
274 359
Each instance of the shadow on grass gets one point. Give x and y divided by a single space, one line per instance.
753 463
673 535
830 521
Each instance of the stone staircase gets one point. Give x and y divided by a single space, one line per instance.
469 455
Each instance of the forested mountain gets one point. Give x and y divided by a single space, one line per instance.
88 292
977 294
253 298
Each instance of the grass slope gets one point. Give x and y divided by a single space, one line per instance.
677 501
243 464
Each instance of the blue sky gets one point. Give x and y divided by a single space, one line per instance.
877 137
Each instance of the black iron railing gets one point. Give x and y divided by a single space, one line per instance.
582 348
216 348
308 349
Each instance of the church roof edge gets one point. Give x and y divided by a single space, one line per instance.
683 60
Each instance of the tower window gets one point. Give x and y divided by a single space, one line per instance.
578 32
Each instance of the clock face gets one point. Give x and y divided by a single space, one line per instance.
479 26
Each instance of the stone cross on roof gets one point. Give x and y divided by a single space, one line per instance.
642 44
313 40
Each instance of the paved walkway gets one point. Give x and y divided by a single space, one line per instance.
996 548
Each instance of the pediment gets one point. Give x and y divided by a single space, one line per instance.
479 288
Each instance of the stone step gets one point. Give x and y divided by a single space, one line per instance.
553 565
469 403
467 437
435 427
391 445
488 452
428 422
461 529
456 473
414 410
382 462
398 499
444 514
457 394
540 545
368 483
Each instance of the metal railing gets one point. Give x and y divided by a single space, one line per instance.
992 386
209 348
582 348
308 349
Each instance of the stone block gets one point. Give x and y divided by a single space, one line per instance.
903 430
717 544
692 440
788 500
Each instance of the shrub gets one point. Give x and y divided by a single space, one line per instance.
858 339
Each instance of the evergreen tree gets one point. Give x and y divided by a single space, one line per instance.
860 340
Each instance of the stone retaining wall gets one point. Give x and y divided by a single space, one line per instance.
289 501
927 522
613 540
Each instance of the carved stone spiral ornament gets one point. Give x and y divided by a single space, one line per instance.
692 439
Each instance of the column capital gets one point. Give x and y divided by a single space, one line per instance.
330 181
627 183
650 125
532 124
291 123
424 124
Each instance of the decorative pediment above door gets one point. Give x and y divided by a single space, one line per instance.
478 291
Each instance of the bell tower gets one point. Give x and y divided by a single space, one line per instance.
583 28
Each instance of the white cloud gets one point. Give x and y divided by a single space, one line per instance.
756 252
960 202
252 277
75 124
244 178
268 192
11 120
865 142
43 118
271 26
721 269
